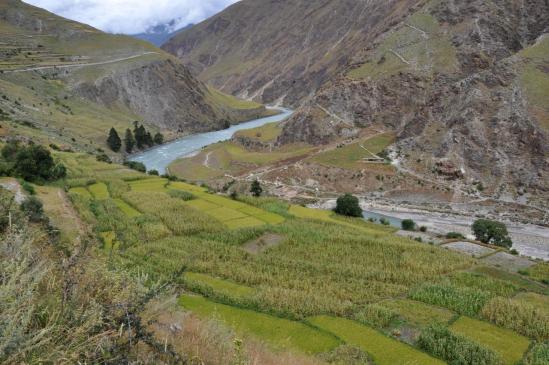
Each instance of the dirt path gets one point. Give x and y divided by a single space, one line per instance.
80 64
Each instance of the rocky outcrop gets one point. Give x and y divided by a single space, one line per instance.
163 93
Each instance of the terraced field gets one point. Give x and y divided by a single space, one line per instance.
327 281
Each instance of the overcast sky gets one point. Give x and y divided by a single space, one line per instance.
133 16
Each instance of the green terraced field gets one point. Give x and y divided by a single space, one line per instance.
384 350
417 313
279 332
126 208
224 287
82 191
99 191
508 344
351 156
157 185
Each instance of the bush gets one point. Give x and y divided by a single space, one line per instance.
153 173
408 225
33 209
423 229
455 349
256 189
32 162
348 205
137 166
492 232
28 187
521 317
103 157
455 235
384 221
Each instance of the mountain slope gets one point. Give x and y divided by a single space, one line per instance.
281 51
71 82
468 94
461 85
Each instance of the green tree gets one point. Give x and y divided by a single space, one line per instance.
408 225
113 141
158 138
256 189
148 139
129 141
348 205
35 163
492 232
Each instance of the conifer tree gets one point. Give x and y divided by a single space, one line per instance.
114 141
129 141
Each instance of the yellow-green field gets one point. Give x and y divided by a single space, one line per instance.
279 332
232 158
509 345
351 156
384 350
307 292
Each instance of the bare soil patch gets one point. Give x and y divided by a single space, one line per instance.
263 243
508 261
469 248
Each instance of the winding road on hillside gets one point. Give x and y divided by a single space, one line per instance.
40 68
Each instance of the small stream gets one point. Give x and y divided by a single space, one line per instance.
159 158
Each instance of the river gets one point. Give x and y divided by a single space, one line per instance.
159 158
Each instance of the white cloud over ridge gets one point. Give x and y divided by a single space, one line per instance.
133 16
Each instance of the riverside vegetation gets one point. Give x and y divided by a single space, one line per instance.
326 277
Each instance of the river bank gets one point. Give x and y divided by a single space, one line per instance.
160 157
528 239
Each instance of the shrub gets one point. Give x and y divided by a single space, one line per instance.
256 189
468 301
33 209
384 221
153 172
455 349
33 162
28 187
408 225
521 317
137 166
423 229
103 157
492 232
455 235
348 205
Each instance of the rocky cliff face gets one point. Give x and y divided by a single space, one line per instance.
459 81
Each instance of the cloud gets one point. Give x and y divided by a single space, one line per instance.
133 16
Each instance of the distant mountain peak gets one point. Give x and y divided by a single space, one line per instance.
160 33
